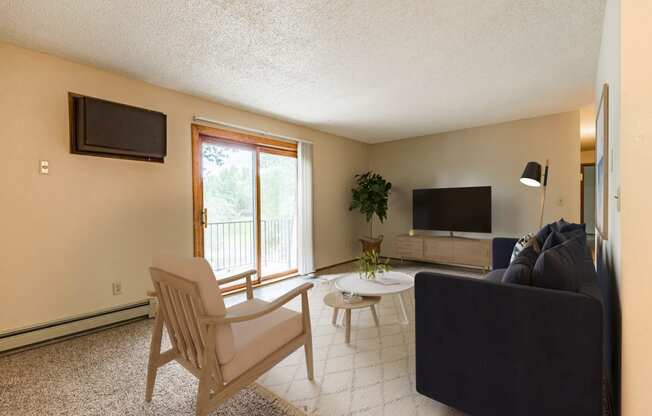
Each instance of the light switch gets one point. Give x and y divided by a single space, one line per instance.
44 167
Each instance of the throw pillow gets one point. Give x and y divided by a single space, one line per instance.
520 270
543 234
561 226
554 239
520 245
561 266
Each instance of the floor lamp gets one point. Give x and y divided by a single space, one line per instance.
532 177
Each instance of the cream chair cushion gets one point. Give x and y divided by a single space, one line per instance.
198 270
256 339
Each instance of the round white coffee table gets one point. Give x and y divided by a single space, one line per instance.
388 283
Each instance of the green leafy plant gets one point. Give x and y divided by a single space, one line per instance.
370 197
369 264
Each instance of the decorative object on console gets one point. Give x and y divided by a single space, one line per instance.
370 264
371 196
532 177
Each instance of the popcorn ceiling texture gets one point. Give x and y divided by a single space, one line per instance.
369 70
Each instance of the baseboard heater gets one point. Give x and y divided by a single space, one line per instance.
49 331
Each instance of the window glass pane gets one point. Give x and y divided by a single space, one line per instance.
278 199
229 238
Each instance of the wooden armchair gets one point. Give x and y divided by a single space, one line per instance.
226 348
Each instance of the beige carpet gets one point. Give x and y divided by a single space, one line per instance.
104 374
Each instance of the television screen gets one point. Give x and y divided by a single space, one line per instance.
104 128
452 209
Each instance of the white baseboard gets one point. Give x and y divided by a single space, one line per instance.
23 337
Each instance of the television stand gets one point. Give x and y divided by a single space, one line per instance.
459 251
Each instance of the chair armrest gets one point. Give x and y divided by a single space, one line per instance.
246 275
233 317
238 276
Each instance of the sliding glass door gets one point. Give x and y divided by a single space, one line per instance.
229 174
245 203
278 212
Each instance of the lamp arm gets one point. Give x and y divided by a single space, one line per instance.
543 195
543 205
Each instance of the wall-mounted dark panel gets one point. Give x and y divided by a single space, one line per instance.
104 128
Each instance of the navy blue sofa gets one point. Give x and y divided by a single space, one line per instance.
490 348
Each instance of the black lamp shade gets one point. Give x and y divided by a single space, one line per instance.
532 174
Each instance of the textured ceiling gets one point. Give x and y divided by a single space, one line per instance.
370 70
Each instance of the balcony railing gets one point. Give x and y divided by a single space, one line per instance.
229 245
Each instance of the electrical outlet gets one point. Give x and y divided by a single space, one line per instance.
117 288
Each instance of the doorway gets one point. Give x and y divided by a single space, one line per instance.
245 203
587 210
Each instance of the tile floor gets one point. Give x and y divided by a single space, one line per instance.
374 375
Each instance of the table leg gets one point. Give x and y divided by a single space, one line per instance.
335 311
401 302
373 313
348 326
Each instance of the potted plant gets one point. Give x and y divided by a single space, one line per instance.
370 197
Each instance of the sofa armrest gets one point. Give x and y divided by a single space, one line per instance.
501 252
499 349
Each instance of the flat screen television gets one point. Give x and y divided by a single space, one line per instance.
452 209
104 128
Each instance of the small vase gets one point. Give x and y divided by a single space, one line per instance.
367 275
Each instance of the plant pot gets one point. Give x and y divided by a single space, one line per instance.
371 244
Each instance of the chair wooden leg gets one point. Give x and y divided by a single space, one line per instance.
204 388
348 326
373 313
154 355
203 392
335 311
309 360
307 327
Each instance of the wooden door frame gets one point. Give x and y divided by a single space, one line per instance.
258 144
582 166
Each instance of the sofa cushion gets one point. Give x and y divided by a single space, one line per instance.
562 266
520 270
495 275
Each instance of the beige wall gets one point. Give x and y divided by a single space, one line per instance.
68 235
636 212
492 155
